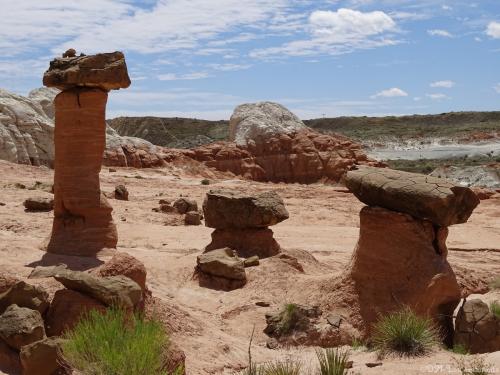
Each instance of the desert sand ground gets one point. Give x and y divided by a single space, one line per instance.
213 327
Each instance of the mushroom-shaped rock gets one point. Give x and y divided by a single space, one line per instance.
423 197
224 209
107 71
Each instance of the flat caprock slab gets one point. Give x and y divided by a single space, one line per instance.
107 71
425 197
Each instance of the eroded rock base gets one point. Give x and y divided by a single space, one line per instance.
246 242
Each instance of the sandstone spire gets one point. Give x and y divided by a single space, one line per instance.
83 224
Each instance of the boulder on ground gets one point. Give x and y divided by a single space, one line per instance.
221 269
224 209
20 326
255 121
39 204
126 265
185 205
6 281
42 357
107 71
252 261
9 359
246 242
420 196
66 310
192 218
477 329
25 295
121 193
111 290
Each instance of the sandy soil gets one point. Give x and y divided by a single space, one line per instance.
214 327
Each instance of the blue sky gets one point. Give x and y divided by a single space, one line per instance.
201 58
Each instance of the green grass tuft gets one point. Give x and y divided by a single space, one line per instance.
333 361
288 318
459 349
205 182
404 333
495 309
116 343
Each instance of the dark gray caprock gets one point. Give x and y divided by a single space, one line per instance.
424 197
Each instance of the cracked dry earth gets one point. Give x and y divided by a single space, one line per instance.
213 327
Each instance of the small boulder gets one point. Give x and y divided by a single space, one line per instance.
247 242
126 265
25 295
224 209
184 205
20 326
66 310
9 360
121 193
222 269
39 204
252 261
192 218
42 357
167 208
477 328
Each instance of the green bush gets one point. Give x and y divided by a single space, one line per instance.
288 318
495 308
282 368
404 333
116 343
205 182
459 349
333 361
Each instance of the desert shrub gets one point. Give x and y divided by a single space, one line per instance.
495 308
205 182
116 343
473 366
459 349
357 344
288 318
333 361
404 333
286 367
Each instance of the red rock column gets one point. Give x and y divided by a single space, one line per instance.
83 224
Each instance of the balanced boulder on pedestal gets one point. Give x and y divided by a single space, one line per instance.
401 256
241 221
83 224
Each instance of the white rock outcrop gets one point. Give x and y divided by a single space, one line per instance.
27 134
254 121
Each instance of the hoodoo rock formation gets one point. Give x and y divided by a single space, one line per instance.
272 144
242 221
401 255
83 224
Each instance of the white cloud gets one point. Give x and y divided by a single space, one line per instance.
443 84
337 32
493 30
437 96
183 77
229 67
102 25
440 32
390 93
497 88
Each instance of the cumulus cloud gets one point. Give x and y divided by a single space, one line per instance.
443 84
493 30
229 67
440 32
337 32
390 93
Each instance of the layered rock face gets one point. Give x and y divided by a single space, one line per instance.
401 256
272 144
27 135
241 221
83 224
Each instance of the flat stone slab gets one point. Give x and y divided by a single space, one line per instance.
107 71
227 209
424 197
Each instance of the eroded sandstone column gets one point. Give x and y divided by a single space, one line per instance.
83 224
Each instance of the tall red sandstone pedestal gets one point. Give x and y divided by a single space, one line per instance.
83 224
